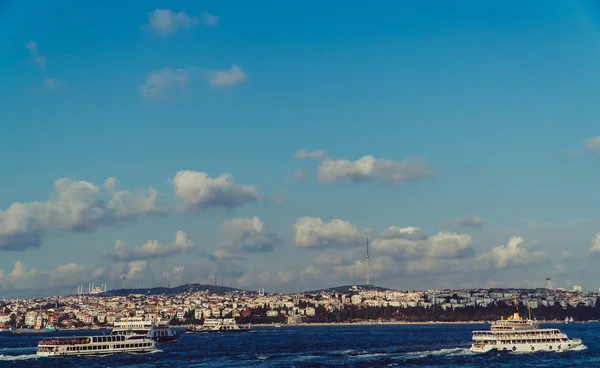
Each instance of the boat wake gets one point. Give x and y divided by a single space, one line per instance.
579 348
439 353
17 357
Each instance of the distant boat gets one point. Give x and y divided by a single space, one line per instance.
219 325
32 331
571 320
566 320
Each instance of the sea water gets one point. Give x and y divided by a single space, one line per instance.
319 346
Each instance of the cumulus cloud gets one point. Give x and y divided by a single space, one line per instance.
152 249
397 251
474 222
513 254
75 206
225 255
592 144
227 78
412 243
368 168
34 53
312 232
22 275
197 190
309 154
595 247
244 235
248 235
127 204
135 269
166 22
166 84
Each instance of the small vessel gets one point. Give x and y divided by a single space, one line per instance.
522 335
32 331
566 320
156 329
219 325
571 320
95 345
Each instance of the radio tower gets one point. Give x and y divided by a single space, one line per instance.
368 271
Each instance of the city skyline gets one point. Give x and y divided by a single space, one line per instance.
266 142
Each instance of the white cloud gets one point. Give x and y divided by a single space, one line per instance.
244 235
21 276
595 247
34 53
166 22
166 84
248 235
135 269
312 232
225 255
412 243
513 255
153 249
368 168
210 20
227 78
50 83
76 206
308 154
592 144
127 204
474 222
197 190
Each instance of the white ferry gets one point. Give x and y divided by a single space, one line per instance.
523 336
95 345
219 325
156 330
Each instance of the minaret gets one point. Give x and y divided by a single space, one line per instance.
368 271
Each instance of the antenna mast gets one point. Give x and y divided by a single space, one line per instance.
368 271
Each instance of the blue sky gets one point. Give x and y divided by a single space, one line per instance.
480 120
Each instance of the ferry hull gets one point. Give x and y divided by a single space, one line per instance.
529 348
59 354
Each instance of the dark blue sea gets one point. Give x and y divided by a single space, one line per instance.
319 346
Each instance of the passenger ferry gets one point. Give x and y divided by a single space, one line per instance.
95 345
523 336
156 329
219 325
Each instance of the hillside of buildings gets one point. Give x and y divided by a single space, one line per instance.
352 305
187 288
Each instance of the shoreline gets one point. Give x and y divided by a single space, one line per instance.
392 323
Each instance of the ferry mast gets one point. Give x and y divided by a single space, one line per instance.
368 271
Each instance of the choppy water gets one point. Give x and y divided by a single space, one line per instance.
319 346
